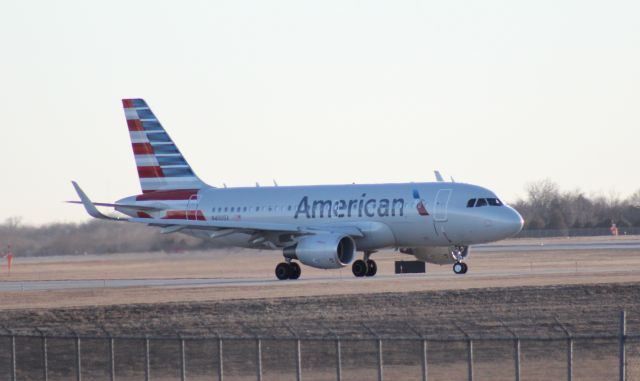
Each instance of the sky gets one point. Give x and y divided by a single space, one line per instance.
495 93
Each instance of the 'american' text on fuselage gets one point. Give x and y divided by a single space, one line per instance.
350 208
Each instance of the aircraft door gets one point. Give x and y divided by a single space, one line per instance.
440 214
192 208
441 204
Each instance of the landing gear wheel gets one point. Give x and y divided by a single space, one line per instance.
372 268
294 270
359 268
459 268
282 271
464 271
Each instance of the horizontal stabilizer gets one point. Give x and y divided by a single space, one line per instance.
131 206
90 206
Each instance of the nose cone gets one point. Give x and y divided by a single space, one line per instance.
506 222
512 222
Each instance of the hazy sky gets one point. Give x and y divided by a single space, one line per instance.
497 93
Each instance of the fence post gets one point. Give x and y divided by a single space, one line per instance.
298 361
338 360
516 349
112 360
183 361
470 359
424 360
78 359
570 359
13 357
380 371
220 367
45 359
569 350
298 353
259 359
147 373
469 352
623 337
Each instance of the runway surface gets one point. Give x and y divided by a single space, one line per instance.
618 260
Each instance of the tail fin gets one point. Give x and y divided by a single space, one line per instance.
160 164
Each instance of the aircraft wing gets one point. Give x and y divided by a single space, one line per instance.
248 226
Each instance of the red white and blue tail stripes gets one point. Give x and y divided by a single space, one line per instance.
161 166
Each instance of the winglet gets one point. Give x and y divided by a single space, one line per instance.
89 206
438 176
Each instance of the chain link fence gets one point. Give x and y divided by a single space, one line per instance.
360 352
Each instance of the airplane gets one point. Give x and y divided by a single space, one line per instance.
322 226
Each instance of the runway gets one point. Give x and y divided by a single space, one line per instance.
238 274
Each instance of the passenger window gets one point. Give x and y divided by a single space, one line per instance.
481 202
257 208
244 209
471 202
494 202
289 208
232 208
226 208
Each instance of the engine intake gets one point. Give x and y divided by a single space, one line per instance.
323 251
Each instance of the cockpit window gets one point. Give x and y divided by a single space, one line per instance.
471 203
481 202
494 202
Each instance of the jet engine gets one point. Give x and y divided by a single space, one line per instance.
439 255
323 251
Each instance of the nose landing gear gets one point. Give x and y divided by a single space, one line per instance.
460 268
458 253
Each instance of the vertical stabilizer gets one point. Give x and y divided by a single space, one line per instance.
160 164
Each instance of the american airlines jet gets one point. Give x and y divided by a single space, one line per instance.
321 226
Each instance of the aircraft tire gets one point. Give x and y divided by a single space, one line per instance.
459 268
372 268
294 270
283 270
359 268
464 270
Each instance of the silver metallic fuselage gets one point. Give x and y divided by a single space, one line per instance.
387 214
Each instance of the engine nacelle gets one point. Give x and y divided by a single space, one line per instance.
323 251
439 255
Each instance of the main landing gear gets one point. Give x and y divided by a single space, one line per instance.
366 267
288 270
460 268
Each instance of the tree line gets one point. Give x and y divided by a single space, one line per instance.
547 207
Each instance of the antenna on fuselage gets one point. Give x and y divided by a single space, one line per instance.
275 184
438 176
224 185
257 185
452 179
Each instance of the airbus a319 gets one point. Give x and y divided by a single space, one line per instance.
323 226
